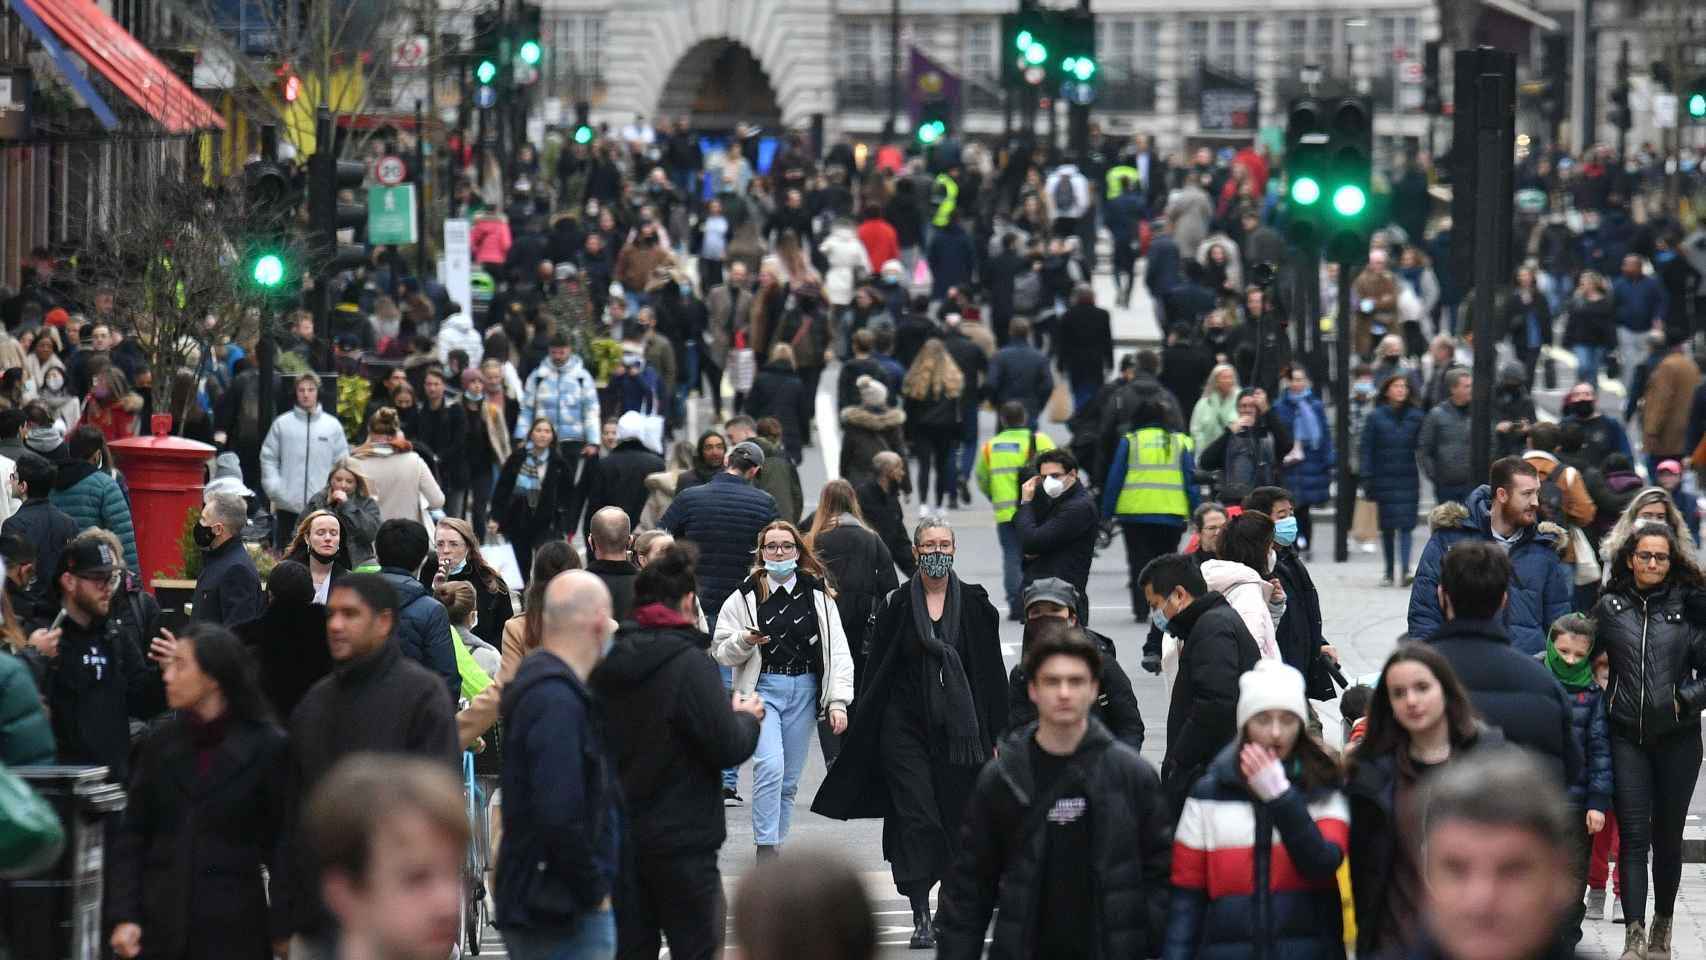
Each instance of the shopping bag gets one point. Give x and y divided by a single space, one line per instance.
1060 403
1365 521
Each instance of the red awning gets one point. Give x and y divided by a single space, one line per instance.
126 63
379 121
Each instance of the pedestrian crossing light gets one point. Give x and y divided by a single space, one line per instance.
1036 54
530 52
1695 98
1349 200
1023 41
583 134
1083 68
1305 191
931 132
268 270
486 71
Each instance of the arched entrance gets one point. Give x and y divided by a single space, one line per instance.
718 83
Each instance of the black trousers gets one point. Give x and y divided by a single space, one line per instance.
711 377
1143 543
928 796
679 897
1653 785
579 478
934 447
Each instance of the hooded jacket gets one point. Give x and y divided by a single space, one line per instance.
423 628
566 395
1000 868
298 454
1215 651
457 333
672 733
866 432
1540 587
1248 593
92 498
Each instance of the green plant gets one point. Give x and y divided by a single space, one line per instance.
190 568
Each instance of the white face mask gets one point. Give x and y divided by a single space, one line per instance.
1053 486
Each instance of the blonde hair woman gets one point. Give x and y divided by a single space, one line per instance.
935 412
1650 505
1217 409
400 479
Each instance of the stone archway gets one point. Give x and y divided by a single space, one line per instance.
658 47
717 84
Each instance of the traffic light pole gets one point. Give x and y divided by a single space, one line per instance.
1345 501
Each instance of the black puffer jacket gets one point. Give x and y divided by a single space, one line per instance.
1001 864
1203 714
423 629
1116 704
1657 661
1513 692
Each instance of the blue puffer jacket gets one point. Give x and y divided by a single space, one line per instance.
92 497
1276 897
1310 480
1592 730
423 629
1540 583
1390 476
722 518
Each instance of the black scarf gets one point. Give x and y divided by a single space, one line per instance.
946 689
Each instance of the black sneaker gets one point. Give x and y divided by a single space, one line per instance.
731 798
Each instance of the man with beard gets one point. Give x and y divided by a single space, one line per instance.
1050 605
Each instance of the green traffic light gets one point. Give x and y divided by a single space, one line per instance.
1697 105
583 134
1036 54
486 71
929 133
1023 40
269 270
1084 69
1305 191
1349 200
530 52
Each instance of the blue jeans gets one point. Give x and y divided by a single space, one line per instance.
790 713
731 775
593 937
968 445
1012 560
686 379
1587 362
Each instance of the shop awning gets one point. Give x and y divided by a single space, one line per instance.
1523 12
81 27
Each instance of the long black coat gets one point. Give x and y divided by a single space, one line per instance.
620 480
513 513
288 642
186 867
855 787
861 570
778 392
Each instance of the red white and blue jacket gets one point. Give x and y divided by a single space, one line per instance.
1254 879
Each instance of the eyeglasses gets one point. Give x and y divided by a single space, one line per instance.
936 546
780 549
104 579
1659 559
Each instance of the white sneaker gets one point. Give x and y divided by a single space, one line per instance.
1617 910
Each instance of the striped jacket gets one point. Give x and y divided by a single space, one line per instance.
1253 879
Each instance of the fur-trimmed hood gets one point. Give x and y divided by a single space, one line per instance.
1475 515
867 419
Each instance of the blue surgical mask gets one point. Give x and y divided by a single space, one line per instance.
461 565
780 569
1158 618
1285 531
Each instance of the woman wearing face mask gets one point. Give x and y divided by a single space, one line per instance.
1274 785
346 495
1419 719
933 705
53 394
207 803
460 560
1242 573
781 630
319 546
1649 505
111 406
1658 688
1308 470
42 357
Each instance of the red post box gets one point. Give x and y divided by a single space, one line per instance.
166 475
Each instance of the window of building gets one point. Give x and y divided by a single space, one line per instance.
1196 41
1296 42
1248 56
856 49
1116 44
1225 44
574 47
980 39
1326 56
1149 54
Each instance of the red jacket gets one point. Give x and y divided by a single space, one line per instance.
882 244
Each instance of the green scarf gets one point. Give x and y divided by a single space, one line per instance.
1579 675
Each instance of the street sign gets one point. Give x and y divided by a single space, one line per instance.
410 52
390 170
1410 71
391 214
1664 110
458 266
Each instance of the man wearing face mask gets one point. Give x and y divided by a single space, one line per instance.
229 589
1057 531
1302 644
1215 649
1602 436
1052 604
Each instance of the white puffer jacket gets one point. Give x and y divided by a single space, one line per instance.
731 648
1247 592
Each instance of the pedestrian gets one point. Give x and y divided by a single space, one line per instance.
1086 344
391 836
1057 532
43 526
319 546
300 447
476 660
1528 317
781 631
1494 814
1052 604
723 519
1509 688
441 425
707 462
1503 511
521 635
1297 631
1021 372
1590 328
857 563
879 501
804 906
620 479
1640 302
562 819
1602 436
111 406
1442 447
869 428
1065 831
288 640
1308 466
398 477
1274 778
346 494
1390 475
206 805
608 537
778 391
1656 653
1213 648
228 591
533 492
92 497
1242 572
1665 405
673 729
1569 658
562 391
1251 451
935 706
376 701
933 394
1012 451
1419 721
461 560
422 626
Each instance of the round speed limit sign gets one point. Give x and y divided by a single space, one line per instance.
390 170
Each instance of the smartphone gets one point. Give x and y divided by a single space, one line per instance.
57 620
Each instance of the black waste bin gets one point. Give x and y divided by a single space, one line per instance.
57 916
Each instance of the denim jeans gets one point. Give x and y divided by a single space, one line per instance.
593 937
731 775
686 379
1587 362
790 712
1012 559
968 445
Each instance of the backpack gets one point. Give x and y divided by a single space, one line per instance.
1552 498
1027 292
1065 197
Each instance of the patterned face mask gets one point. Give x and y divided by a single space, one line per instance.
936 565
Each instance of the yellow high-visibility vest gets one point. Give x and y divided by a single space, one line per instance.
1154 474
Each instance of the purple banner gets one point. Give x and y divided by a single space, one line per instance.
928 80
